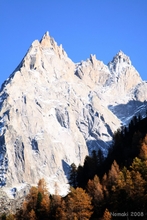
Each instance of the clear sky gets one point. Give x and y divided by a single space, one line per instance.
83 27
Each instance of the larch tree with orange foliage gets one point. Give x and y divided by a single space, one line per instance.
32 215
78 205
10 217
113 174
43 201
57 208
143 150
37 201
94 189
106 215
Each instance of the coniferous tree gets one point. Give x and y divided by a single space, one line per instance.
10 217
100 163
104 185
57 208
94 189
31 199
143 149
89 169
43 201
113 174
106 215
3 217
32 215
78 205
37 201
73 176
80 177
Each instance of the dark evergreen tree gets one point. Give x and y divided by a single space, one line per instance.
39 200
80 177
90 168
73 176
3 216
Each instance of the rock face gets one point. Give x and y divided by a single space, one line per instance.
54 112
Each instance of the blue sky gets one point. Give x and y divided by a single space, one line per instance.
83 27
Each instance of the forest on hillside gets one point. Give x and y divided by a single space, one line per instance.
101 189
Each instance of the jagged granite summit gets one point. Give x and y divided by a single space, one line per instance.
54 112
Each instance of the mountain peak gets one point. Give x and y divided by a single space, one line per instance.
46 36
119 63
123 72
49 104
47 41
121 57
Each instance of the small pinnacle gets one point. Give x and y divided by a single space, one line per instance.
46 34
121 52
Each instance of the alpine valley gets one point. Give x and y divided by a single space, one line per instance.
54 112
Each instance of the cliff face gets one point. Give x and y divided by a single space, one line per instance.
54 112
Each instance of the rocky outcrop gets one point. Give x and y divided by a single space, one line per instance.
93 72
54 112
12 199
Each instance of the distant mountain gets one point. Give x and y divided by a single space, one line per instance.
54 112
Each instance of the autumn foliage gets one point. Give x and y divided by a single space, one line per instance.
78 205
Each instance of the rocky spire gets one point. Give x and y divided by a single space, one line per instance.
124 76
120 60
47 42
93 59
